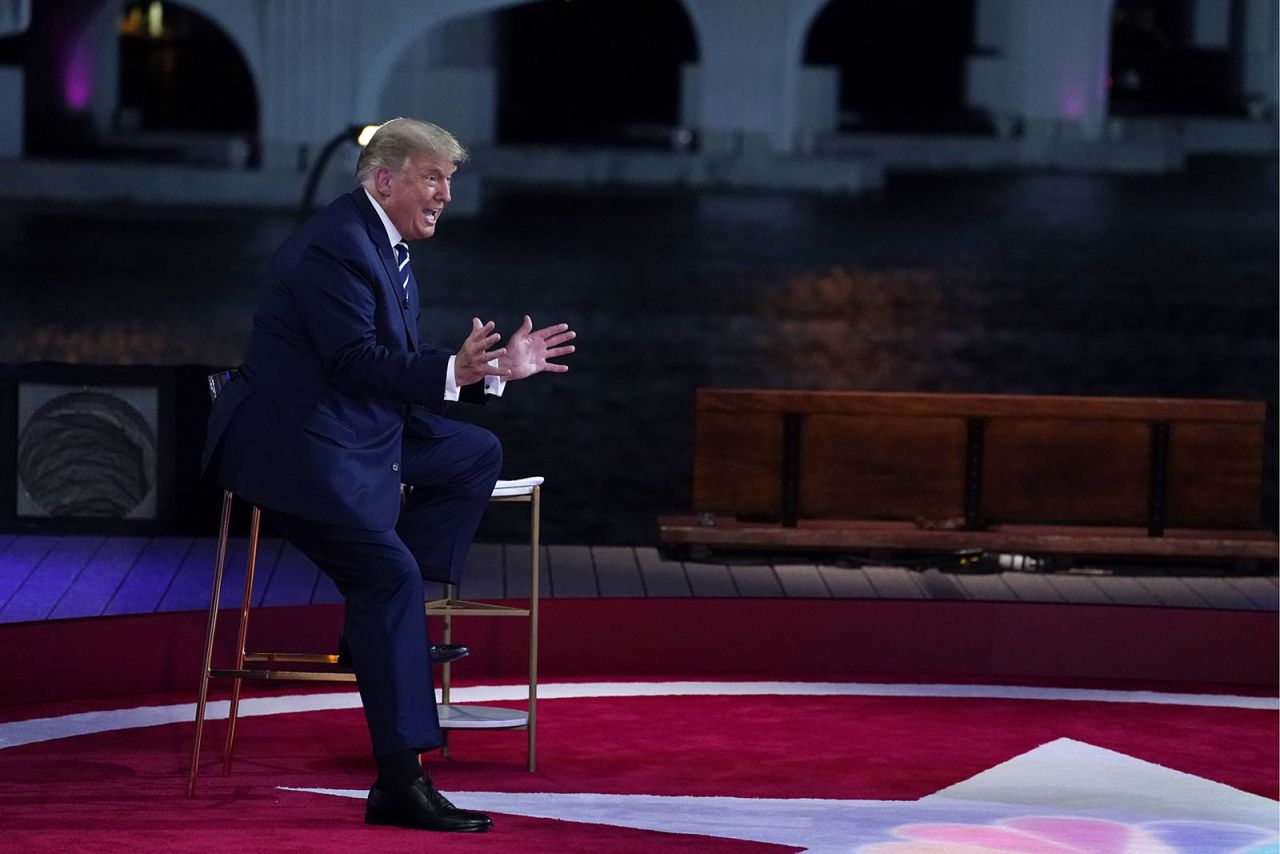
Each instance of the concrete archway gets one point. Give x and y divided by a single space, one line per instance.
748 92
74 74
449 76
594 72
238 21
1177 58
206 83
386 39
457 51
896 73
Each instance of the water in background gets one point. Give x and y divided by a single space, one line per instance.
1042 284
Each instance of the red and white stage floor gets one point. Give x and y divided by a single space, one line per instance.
684 724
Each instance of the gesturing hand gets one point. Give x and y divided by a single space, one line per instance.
527 351
471 364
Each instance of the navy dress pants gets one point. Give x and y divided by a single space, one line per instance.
452 467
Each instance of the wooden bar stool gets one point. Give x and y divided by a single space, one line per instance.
324 668
454 716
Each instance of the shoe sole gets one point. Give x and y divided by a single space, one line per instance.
387 821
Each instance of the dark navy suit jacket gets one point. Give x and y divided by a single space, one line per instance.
312 424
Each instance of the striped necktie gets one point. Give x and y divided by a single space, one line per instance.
402 261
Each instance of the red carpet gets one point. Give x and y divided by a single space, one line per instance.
882 765
124 789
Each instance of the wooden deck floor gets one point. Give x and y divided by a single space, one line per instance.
48 577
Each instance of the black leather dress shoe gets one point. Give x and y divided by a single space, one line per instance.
440 653
420 806
443 653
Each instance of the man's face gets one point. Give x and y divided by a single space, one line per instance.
414 197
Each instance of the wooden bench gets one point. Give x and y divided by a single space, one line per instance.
1024 474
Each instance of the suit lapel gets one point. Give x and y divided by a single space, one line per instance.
406 299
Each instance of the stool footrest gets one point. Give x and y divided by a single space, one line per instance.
286 675
454 716
441 607
292 657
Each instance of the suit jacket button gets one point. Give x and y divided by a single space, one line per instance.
395 467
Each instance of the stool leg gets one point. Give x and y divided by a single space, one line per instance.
535 517
210 626
446 675
241 639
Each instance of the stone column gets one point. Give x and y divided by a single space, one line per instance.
307 88
11 106
747 83
1259 59
1211 24
1045 65
448 76
104 37
15 17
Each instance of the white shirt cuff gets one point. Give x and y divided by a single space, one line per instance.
492 385
450 381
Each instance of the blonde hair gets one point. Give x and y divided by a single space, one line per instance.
399 139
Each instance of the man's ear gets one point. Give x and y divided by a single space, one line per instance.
382 180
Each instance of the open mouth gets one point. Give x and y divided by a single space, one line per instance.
432 216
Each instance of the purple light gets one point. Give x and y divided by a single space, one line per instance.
1063 834
77 75
1073 103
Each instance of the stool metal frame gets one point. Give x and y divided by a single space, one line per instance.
327 670
454 716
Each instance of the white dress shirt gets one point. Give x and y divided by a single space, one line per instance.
492 385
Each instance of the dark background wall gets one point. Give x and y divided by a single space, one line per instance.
1048 283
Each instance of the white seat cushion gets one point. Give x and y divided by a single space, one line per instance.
508 488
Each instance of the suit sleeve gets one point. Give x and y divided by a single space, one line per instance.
334 289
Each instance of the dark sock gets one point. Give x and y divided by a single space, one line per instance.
397 770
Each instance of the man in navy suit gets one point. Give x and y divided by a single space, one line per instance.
338 403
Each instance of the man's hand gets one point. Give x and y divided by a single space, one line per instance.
527 351
471 364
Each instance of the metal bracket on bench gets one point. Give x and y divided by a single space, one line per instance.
1157 498
974 448
790 468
